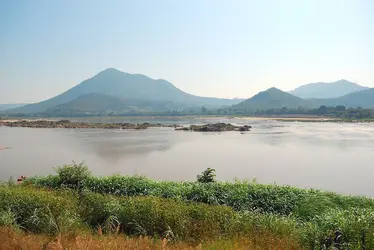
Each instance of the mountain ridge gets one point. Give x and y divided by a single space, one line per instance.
113 91
274 98
124 85
324 90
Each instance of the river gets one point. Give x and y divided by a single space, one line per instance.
332 156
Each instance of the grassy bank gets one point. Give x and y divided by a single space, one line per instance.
46 212
204 212
241 196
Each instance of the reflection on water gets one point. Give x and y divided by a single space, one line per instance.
331 156
112 146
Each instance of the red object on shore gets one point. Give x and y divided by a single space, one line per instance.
22 178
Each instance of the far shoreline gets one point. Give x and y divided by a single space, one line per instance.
280 118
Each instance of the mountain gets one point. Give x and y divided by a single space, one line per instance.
363 98
274 98
101 104
269 99
322 90
113 82
10 106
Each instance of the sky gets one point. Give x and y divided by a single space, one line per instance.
232 48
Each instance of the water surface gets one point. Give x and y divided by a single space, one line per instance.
332 156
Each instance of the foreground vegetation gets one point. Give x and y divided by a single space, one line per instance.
205 212
15 239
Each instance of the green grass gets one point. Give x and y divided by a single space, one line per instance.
52 212
241 196
188 211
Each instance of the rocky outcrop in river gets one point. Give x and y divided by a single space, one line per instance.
216 127
70 124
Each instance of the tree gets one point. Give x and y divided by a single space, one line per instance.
322 109
208 176
284 110
340 108
203 109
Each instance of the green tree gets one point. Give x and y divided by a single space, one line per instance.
322 109
340 108
208 176
73 176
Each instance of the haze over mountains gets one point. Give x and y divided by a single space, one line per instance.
274 98
127 87
10 106
327 90
115 92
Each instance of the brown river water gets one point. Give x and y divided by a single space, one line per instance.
332 156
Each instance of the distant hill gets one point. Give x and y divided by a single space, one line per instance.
271 98
101 104
363 98
322 90
126 86
274 98
10 106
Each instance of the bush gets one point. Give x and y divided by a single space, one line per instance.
73 176
208 176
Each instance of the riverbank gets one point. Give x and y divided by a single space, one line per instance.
192 213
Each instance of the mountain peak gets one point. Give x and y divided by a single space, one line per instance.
273 89
110 71
270 98
112 82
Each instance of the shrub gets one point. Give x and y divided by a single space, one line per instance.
207 176
73 176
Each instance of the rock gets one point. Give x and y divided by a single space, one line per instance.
245 128
71 125
183 128
217 127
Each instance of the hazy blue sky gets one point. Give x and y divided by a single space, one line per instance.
205 47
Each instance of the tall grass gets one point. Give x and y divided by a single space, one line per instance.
241 196
56 212
38 210
193 211
11 239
